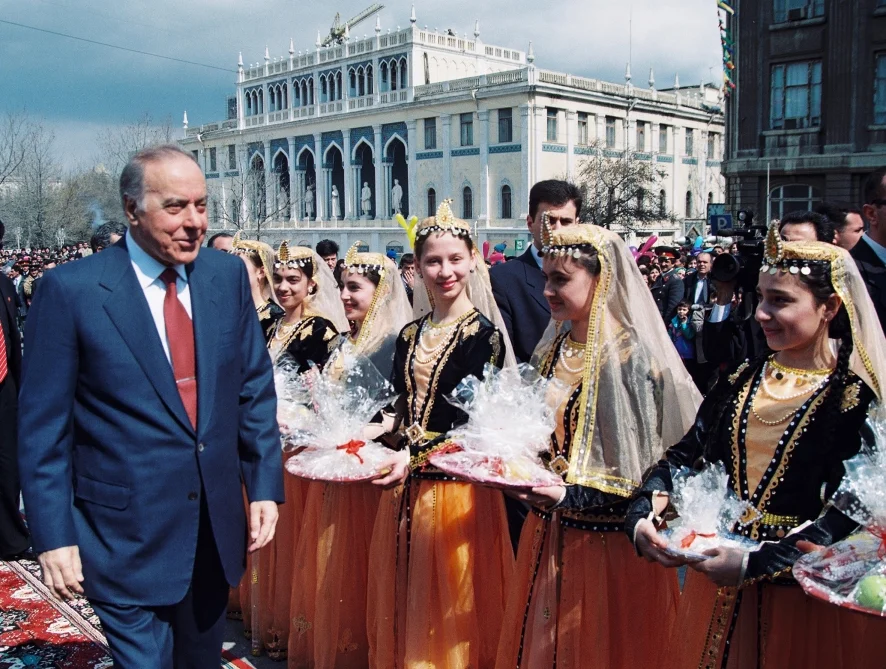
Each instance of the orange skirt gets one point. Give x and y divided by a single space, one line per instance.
584 599
328 628
440 565
275 570
776 627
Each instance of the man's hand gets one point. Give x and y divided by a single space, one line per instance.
409 277
62 572
262 523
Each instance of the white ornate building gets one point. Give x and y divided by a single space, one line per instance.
321 144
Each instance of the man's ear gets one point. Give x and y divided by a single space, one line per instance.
130 208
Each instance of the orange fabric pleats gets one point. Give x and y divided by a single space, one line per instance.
275 572
329 591
777 626
440 565
584 599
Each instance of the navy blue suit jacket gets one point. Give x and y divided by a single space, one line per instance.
109 460
518 287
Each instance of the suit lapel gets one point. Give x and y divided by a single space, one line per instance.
127 308
534 279
204 307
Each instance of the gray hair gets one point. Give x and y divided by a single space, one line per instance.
132 178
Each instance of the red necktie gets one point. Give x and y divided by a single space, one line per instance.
4 363
180 334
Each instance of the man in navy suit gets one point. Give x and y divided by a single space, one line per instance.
147 400
518 285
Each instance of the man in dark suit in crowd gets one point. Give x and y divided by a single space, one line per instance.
667 291
870 251
518 286
14 539
147 401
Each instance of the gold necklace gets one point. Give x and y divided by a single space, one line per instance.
808 374
764 388
283 330
433 351
570 350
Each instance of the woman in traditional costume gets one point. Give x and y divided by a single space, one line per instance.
304 337
581 596
782 425
259 260
328 609
440 561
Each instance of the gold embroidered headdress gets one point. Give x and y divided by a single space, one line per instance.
252 248
296 257
443 221
868 359
636 397
360 262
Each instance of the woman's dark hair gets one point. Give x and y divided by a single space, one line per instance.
421 239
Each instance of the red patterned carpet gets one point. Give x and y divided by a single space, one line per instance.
36 631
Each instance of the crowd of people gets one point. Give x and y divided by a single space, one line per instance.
149 444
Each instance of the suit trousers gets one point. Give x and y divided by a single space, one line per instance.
187 635
14 537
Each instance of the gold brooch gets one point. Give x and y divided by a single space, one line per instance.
734 376
851 397
559 465
415 433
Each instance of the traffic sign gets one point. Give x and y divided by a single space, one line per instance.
721 224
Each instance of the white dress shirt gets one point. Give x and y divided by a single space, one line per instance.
535 254
148 271
701 291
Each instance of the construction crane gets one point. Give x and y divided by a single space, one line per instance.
338 31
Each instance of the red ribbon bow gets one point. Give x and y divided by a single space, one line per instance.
692 536
880 532
352 448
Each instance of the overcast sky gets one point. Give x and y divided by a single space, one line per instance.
78 88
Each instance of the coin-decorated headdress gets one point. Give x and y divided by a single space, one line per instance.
443 221
297 257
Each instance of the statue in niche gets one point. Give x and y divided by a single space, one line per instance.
397 197
366 200
336 207
309 202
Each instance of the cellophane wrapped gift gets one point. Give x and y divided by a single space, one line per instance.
852 573
322 416
708 511
511 414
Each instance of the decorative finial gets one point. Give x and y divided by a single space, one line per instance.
267 55
628 73
240 60
677 82
319 39
185 120
291 46
651 78
477 29
377 25
530 56
347 33
412 18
